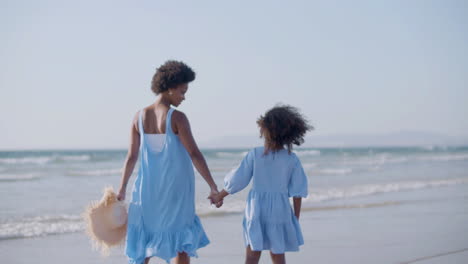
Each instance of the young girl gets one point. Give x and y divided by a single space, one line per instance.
269 221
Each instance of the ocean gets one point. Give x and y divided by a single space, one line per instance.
43 193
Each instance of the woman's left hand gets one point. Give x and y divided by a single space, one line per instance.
215 199
121 195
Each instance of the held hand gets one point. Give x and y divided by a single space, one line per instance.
215 198
121 195
212 195
219 204
218 200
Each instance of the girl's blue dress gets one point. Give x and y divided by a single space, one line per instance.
161 216
269 221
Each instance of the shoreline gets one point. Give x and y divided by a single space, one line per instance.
398 232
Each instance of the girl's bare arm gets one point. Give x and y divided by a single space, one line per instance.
297 201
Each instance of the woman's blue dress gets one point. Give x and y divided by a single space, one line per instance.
161 216
269 221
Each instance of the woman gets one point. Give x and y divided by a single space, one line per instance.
161 218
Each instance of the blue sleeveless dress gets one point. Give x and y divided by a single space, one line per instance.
161 214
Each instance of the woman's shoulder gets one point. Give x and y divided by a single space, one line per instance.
179 118
140 113
144 111
177 113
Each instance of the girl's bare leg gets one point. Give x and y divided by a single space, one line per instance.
278 258
182 258
252 257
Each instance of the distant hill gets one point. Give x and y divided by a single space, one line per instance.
402 138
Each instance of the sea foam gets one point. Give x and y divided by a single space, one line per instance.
41 226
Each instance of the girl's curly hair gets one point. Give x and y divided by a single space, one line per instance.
281 126
171 74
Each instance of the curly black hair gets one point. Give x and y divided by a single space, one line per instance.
281 126
171 74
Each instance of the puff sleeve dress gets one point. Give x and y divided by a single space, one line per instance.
269 221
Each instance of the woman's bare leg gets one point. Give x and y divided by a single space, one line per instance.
278 258
252 257
182 258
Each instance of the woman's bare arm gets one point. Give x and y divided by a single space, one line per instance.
185 135
131 159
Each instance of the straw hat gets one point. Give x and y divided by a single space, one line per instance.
106 221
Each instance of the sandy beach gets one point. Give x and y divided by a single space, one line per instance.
426 226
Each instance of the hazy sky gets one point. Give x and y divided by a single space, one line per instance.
73 73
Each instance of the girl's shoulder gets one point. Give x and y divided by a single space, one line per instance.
253 153
259 152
